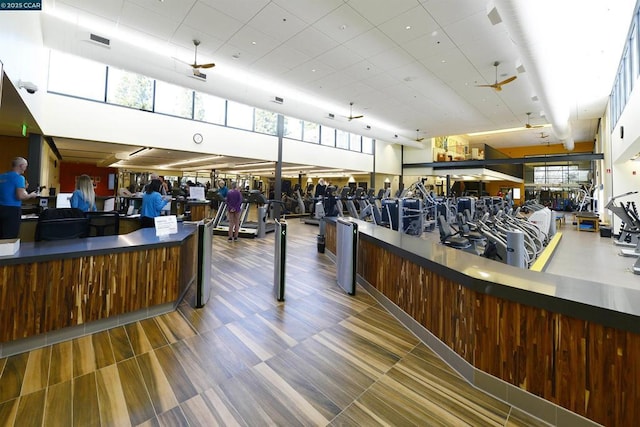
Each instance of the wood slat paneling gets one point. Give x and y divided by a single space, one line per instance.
585 367
51 295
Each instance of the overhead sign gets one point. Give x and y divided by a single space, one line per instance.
21 5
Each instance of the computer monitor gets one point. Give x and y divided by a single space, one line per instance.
63 200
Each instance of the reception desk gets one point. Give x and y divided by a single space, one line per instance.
551 345
52 291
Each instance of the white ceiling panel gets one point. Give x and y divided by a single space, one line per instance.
320 44
343 24
446 12
340 58
281 60
429 46
277 22
241 10
107 9
414 23
148 21
309 11
213 22
371 43
253 42
384 10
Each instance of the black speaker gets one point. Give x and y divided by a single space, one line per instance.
621 132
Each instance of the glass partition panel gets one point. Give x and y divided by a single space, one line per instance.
327 136
209 108
266 122
76 76
311 132
355 142
367 145
129 89
239 116
293 128
342 139
174 100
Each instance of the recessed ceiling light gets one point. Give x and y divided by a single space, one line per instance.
313 70
343 26
434 33
408 27
444 61
254 43
236 56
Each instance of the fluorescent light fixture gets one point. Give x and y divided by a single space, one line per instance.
497 131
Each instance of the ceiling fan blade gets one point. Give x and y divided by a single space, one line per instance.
509 80
356 117
209 65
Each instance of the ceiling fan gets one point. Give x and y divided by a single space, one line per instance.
195 64
351 116
543 135
418 139
498 85
529 125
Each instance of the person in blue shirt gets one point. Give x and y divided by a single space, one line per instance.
12 193
152 203
222 188
84 197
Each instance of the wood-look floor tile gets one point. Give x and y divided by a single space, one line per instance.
85 401
175 373
172 418
120 344
330 373
239 391
8 411
102 349
84 357
198 413
225 311
137 338
58 411
218 359
367 356
290 368
31 409
37 371
174 326
12 376
113 406
195 365
61 367
295 402
161 393
288 322
135 392
154 333
3 362
223 411
380 323
359 414
239 350
195 319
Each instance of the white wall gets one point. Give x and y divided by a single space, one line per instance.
388 158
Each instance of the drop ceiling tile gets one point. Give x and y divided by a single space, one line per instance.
429 45
343 24
361 70
281 60
311 11
448 11
340 58
390 59
382 11
175 10
212 22
235 56
410 25
309 72
148 21
370 43
241 10
311 42
106 9
277 22
253 42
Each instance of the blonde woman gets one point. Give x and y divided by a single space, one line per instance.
84 197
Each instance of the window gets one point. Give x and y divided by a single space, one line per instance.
129 89
367 145
76 76
311 132
266 122
342 139
173 100
328 136
209 108
239 116
293 128
355 142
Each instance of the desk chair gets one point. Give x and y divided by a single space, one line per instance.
61 229
60 213
103 223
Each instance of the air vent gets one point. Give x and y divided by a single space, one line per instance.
197 74
332 116
278 100
100 40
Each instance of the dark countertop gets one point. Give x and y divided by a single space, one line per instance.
603 303
63 249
